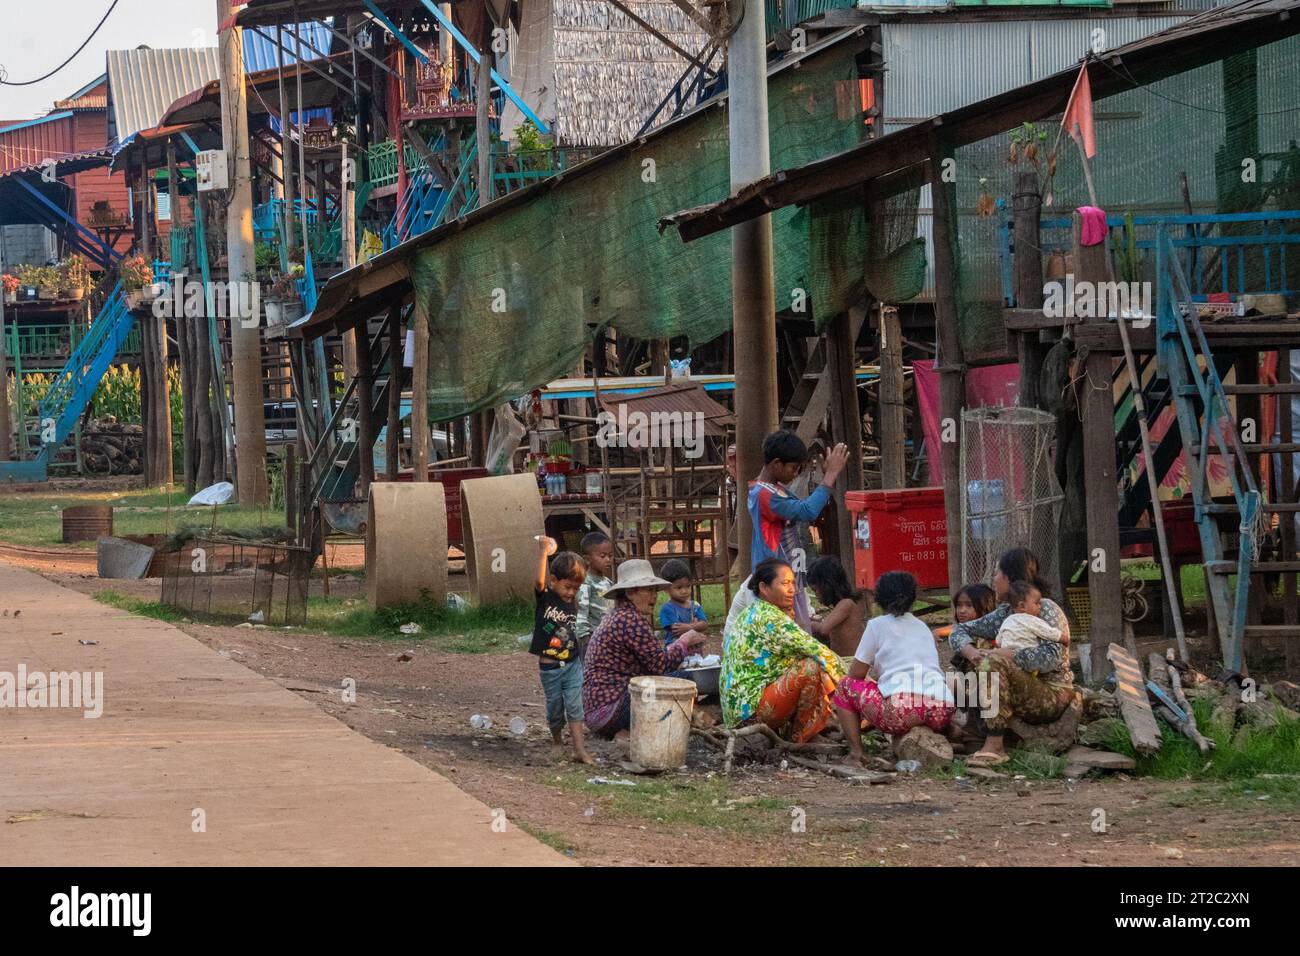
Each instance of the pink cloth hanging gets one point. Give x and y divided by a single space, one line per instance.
1093 231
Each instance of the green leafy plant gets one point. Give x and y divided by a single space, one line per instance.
265 257
532 147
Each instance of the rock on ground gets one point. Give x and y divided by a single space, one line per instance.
1055 737
924 745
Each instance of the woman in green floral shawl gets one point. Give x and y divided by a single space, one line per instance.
773 670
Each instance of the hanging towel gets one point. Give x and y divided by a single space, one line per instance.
1093 231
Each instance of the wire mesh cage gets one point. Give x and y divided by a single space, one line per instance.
244 580
1010 498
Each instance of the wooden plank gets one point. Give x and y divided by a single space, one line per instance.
1134 707
1088 758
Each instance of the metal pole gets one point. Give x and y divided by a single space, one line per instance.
286 154
753 308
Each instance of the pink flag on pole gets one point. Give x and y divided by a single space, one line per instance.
1078 114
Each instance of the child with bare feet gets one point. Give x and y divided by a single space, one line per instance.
555 642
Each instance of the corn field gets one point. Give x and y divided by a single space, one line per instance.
118 394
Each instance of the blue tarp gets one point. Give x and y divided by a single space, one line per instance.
261 53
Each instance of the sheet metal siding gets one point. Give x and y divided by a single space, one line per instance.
934 67
260 53
143 83
30 144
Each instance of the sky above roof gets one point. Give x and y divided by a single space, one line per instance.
49 30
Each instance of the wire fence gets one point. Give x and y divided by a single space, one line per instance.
249 581
1010 496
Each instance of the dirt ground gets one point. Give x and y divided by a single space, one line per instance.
759 814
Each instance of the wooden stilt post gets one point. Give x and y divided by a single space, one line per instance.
365 407
393 446
420 393
846 420
951 359
891 418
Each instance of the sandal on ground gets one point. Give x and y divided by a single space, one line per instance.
986 758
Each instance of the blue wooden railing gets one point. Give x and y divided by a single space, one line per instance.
1232 253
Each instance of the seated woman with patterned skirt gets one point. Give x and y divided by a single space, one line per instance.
773 671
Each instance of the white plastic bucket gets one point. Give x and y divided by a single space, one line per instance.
661 721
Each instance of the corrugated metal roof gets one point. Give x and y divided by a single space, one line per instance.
27 144
142 83
261 53
684 399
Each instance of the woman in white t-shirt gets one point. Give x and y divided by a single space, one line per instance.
909 690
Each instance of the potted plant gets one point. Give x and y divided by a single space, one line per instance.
11 288
283 305
137 280
74 273
45 279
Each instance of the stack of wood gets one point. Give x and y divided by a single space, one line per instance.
110 448
1169 687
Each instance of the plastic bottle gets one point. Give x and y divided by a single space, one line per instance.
908 766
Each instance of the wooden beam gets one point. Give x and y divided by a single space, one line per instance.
891 415
951 358
1134 707
420 392
393 443
365 399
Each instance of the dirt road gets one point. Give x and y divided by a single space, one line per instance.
198 760
759 814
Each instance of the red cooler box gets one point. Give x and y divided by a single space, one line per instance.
903 530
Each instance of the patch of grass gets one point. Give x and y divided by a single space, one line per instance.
475 630
1034 765
681 802
35 520
125 602
1273 750
1277 793
554 841
1193 580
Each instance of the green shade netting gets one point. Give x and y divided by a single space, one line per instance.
512 300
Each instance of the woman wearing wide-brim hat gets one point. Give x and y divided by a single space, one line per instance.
626 646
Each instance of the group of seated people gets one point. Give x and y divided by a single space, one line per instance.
786 668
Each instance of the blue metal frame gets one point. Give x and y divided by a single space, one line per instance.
1180 343
108 255
75 384
1272 241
